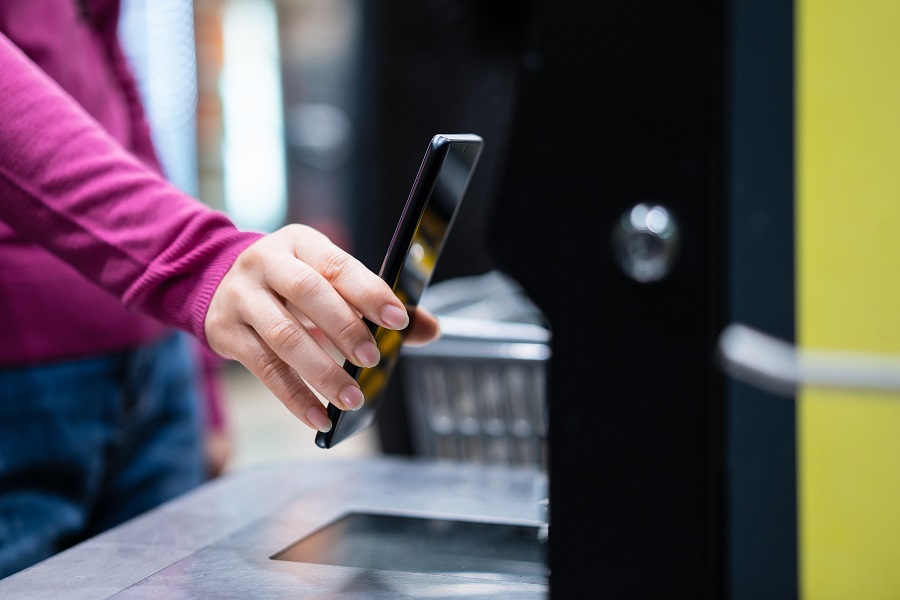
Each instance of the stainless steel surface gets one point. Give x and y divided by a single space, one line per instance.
779 367
216 542
646 242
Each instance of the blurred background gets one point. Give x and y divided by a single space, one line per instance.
319 112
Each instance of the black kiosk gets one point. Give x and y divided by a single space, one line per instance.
638 182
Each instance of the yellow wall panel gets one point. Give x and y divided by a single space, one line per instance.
848 292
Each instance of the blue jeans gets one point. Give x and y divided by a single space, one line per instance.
88 444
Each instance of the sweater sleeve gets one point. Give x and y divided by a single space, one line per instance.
68 186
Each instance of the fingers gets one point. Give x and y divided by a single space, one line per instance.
423 328
295 347
362 289
306 291
253 317
280 378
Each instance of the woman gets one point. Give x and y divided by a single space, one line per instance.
106 268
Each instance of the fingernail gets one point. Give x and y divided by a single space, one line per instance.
367 354
351 397
319 420
393 317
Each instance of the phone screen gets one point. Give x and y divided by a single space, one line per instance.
427 218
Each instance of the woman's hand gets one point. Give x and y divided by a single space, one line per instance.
281 289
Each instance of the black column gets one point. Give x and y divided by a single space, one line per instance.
761 427
622 103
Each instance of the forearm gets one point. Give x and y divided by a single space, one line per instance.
68 186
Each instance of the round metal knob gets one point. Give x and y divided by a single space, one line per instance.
646 242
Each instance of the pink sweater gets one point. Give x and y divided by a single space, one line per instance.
97 251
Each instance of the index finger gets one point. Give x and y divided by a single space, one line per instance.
362 289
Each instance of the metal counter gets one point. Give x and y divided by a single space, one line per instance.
218 541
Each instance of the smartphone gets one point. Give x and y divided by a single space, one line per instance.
427 218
